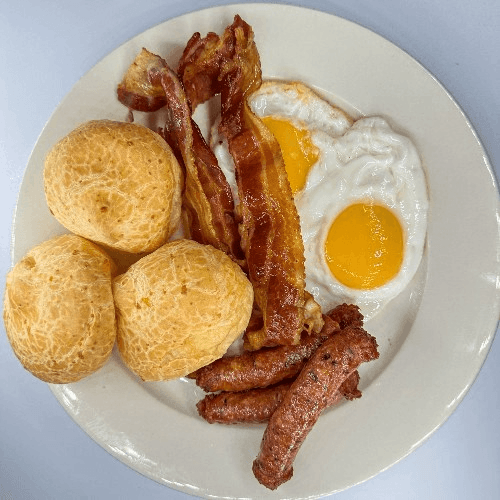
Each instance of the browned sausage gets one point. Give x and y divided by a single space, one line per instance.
251 406
346 315
269 366
303 403
257 405
261 368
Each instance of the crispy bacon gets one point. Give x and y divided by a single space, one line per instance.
207 196
136 91
270 229
200 66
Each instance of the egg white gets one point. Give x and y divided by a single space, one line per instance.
365 161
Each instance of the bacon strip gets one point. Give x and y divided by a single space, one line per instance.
270 228
200 66
308 396
257 405
207 196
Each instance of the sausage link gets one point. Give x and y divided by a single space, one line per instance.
257 405
269 366
346 315
303 403
251 406
261 368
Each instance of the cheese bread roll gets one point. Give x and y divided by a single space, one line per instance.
58 309
118 184
179 309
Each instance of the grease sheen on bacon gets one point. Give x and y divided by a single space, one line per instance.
149 84
269 228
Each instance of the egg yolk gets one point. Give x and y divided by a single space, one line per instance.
299 153
364 246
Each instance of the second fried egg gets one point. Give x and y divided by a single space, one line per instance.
360 192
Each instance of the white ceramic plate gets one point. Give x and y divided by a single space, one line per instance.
433 338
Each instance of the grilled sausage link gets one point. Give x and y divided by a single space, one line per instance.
261 368
269 366
308 396
257 405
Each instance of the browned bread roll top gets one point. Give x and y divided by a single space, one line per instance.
116 183
59 313
180 308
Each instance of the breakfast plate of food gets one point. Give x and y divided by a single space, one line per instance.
264 242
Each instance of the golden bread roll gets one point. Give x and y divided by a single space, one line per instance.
58 309
115 183
179 309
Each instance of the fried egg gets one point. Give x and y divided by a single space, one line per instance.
360 192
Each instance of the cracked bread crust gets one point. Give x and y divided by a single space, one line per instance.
180 308
58 309
115 183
